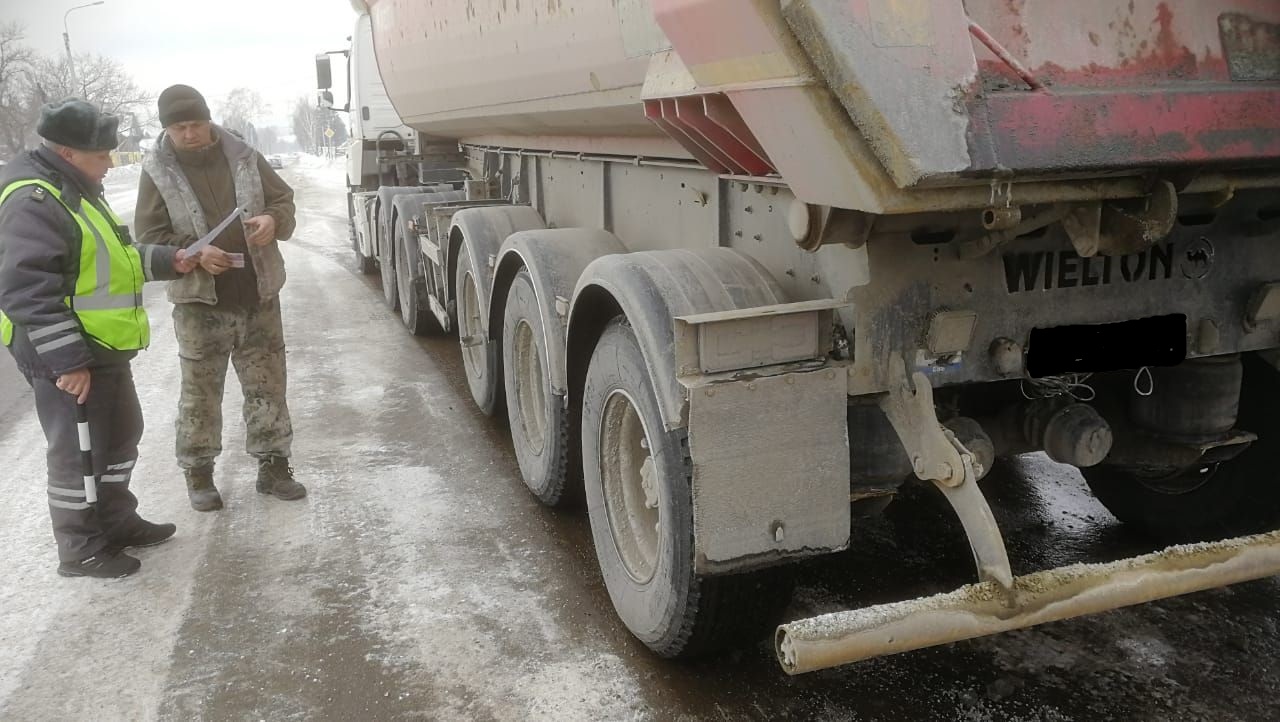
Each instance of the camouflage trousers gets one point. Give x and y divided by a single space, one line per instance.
253 340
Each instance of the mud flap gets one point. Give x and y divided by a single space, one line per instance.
768 434
769 451
770 468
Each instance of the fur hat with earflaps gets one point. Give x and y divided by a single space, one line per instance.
77 124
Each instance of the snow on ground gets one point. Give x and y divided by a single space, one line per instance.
322 170
307 160
122 175
121 190
325 170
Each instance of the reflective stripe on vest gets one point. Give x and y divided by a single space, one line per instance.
108 294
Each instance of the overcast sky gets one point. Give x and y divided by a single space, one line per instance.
213 45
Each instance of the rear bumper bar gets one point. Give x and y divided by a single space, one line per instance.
977 610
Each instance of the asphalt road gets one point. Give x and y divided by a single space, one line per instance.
419 580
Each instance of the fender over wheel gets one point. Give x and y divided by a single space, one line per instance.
365 264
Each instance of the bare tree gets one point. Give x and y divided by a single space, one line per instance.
16 63
306 127
102 81
268 140
241 108
28 81
15 59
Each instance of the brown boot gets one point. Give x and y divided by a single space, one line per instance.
275 477
203 494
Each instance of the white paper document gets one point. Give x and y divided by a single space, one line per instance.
207 238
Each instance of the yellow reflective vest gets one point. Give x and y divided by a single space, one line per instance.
107 298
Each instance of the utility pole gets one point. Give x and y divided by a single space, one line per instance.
66 42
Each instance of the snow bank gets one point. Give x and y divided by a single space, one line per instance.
123 174
306 160
120 188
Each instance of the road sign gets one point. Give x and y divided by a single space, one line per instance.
328 133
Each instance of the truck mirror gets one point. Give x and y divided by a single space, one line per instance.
326 100
324 75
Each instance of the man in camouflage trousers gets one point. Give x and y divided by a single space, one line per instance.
224 311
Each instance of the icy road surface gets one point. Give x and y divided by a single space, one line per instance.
420 581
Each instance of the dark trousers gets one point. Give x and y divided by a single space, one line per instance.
115 427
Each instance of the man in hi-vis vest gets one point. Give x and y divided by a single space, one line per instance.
71 315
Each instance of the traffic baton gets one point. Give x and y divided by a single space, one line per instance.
86 454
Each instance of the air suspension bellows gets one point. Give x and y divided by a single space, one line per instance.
1194 402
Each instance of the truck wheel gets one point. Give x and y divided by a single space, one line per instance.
480 355
539 419
1209 501
387 262
637 482
413 311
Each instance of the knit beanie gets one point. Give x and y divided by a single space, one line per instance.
181 103
77 124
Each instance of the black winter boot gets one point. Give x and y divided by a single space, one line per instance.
143 533
275 477
106 564
203 494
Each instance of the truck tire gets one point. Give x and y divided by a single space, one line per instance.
413 308
386 262
637 482
1240 496
539 419
481 356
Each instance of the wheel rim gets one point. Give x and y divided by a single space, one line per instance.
470 334
632 494
529 387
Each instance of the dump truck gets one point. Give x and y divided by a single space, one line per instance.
738 270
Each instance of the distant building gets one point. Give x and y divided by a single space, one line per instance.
131 137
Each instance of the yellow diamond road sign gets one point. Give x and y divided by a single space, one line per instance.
328 132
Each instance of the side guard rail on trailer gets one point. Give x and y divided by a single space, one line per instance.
1051 595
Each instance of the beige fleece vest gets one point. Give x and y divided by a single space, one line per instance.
187 216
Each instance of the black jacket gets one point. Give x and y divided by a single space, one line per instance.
39 264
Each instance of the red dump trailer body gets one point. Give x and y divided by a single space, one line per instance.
941 91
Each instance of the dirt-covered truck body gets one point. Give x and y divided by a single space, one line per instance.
737 269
